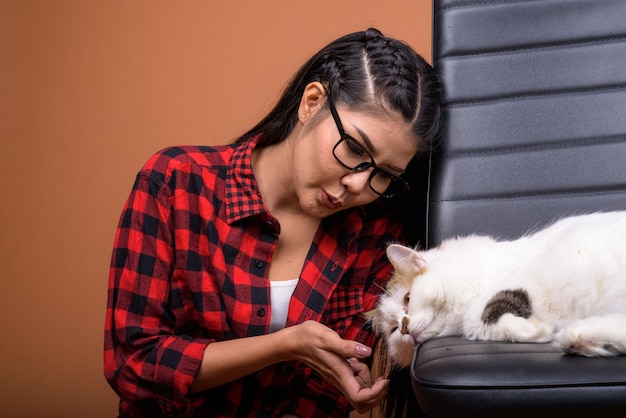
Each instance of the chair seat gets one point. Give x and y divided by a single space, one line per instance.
452 376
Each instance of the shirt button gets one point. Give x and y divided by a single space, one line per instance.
259 263
261 312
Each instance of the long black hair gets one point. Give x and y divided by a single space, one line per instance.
360 69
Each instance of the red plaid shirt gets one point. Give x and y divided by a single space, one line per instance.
189 267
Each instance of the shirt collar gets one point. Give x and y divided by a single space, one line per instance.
243 198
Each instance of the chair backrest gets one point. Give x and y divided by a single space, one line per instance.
535 114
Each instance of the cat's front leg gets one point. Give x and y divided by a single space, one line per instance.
599 336
530 330
512 328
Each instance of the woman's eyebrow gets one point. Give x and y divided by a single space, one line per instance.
366 139
370 146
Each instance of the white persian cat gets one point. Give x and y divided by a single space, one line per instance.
565 283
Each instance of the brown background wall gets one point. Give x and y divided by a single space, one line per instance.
88 90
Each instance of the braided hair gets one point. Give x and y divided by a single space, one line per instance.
358 70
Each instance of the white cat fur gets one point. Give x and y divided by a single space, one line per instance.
574 272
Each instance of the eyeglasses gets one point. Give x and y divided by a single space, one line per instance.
351 154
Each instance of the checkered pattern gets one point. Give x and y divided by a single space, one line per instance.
189 267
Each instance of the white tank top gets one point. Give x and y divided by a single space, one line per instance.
280 295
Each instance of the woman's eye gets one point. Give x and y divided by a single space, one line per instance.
354 147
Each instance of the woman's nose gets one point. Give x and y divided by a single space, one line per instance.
356 181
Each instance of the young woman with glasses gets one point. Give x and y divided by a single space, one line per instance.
240 273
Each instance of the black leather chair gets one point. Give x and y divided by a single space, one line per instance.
535 129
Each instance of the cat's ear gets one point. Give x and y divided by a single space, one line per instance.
405 258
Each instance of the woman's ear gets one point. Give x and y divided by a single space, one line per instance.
312 100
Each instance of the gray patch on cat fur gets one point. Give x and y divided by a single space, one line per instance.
515 301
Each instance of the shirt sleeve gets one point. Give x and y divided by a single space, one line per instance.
144 358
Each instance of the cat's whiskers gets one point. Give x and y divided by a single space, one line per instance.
380 286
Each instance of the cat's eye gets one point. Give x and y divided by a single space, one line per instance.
407 297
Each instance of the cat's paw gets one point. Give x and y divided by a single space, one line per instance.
591 338
530 329
517 329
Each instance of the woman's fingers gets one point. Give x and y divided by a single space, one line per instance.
361 372
361 391
337 361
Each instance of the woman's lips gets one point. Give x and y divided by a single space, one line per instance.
330 202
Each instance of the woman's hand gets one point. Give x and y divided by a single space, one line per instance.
337 361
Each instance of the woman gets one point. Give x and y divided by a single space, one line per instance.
240 273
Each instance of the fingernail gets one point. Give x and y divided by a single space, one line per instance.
363 350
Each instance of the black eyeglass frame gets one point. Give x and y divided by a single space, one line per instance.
403 184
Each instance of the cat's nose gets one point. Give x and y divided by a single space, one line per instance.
405 325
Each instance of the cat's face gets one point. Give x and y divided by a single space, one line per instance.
408 312
387 319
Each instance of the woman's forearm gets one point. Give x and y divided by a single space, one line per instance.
226 361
